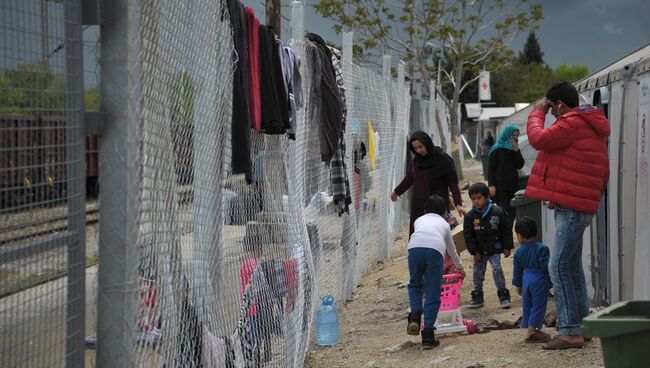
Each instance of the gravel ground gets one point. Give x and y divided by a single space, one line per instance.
373 326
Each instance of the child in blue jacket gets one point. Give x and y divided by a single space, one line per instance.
530 276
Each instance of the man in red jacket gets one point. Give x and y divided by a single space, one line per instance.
571 172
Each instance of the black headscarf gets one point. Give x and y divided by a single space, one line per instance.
436 159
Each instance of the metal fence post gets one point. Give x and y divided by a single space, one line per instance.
76 187
297 20
119 183
387 64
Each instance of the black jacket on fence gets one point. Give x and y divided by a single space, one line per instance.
489 232
241 122
275 101
326 94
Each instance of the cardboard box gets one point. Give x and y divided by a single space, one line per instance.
459 238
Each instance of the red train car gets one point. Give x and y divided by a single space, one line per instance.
33 162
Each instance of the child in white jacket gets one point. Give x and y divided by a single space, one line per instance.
430 241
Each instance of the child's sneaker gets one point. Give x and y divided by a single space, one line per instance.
428 339
504 298
414 321
477 299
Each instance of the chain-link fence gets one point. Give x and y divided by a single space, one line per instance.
199 265
42 189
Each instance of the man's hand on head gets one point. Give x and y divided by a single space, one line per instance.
543 106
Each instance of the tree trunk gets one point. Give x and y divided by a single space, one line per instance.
426 81
454 120
273 16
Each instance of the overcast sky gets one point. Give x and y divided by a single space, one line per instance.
589 32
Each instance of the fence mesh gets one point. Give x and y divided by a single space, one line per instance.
227 268
41 189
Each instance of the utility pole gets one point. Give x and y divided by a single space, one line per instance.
45 44
273 18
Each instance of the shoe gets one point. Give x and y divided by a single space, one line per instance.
414 321
477 300
428 339
504 298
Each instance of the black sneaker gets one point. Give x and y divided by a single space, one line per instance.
504 298
414 321
428 339
477 300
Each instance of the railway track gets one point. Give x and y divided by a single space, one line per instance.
17 233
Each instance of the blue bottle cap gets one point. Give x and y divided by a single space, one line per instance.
328 300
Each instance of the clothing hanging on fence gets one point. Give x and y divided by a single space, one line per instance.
338 72
372 146
248 267
254 68
326 109
338 171
216 352
190 336
275 106
293 84
241 122
246 331
339 180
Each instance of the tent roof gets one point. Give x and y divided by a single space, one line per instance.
613 71
489 113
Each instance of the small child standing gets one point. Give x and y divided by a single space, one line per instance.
429 242
488 233
530 276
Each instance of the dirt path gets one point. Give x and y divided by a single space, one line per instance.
373 327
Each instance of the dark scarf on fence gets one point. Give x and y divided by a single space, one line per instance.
326 93
339 180
437 160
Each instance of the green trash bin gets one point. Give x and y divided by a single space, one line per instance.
624 331
528 207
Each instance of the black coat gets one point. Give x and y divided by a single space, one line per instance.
488 234
502 170
241 122
274 98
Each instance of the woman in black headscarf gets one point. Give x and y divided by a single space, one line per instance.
431 171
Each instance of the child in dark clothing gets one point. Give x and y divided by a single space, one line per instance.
530 276
488 233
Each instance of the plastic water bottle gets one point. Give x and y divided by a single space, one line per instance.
327 323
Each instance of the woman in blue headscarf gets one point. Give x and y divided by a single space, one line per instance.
504 161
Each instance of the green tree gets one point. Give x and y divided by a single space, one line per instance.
92 99
532 51
521 83
572 73
32 88
413 30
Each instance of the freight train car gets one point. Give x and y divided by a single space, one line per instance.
33 161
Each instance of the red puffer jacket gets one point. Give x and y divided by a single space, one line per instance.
572 166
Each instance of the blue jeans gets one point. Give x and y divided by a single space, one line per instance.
565 269
425 271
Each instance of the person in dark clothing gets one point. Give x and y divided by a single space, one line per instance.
488 142
430 172
503 177
488 233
